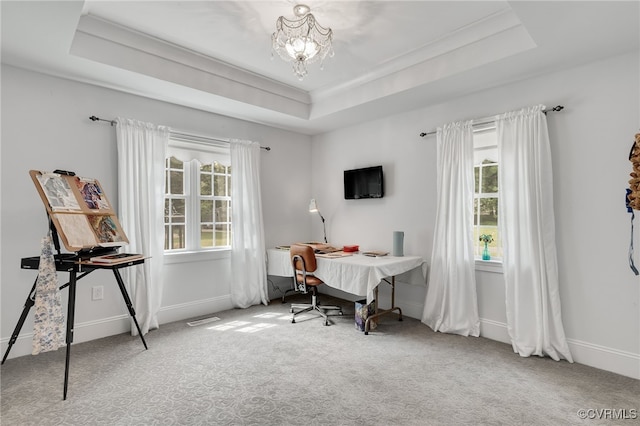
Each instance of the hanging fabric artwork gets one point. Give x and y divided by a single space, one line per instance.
48 324
633 193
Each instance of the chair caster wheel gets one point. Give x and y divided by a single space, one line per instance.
326 323
293 321
366 333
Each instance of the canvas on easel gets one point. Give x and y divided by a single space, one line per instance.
79 210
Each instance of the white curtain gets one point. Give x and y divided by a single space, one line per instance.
141 155
527 226
451 302
248 256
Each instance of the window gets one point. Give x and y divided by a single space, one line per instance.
197 196
485 203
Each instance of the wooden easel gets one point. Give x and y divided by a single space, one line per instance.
78 263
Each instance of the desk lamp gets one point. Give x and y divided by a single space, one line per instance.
313 208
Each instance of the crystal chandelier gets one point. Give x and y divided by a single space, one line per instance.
301 40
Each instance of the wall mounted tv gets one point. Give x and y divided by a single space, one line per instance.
363 183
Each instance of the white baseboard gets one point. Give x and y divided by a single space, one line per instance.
410 309
91 330
597 356
194 309
494 330
614 360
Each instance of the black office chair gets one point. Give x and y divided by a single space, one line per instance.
303 260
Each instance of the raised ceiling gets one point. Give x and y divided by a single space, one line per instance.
390 56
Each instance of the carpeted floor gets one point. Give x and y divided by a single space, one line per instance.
253 367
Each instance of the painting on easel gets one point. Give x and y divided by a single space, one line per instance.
80 210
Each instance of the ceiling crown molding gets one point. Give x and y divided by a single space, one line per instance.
108 43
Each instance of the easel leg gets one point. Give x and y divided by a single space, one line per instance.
28 304
127 301
71 308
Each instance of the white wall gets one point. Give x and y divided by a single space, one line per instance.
591 139
46 126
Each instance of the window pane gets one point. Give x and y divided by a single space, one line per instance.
177 211
174 163
222 235
206 168
220 185
206 236
222 210
490 179
178 237
489 211
219 168
205 184
206 211
176 182
167 237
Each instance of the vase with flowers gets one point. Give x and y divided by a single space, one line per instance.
486 239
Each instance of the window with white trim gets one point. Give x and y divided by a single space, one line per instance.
197 196
486 195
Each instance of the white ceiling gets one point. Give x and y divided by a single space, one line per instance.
390 56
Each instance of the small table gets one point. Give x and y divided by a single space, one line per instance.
357 274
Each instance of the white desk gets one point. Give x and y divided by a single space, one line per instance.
357 274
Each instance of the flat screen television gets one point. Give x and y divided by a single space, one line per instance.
363 183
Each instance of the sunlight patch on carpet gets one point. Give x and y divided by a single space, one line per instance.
242 326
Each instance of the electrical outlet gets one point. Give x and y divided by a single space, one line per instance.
97 292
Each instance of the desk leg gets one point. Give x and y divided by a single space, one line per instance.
71 308
127 301
379 313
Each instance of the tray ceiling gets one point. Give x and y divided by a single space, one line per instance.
390 56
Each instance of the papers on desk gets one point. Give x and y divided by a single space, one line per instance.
375 253
334 254
321 248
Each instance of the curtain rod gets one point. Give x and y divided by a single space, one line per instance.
487 120
178 133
